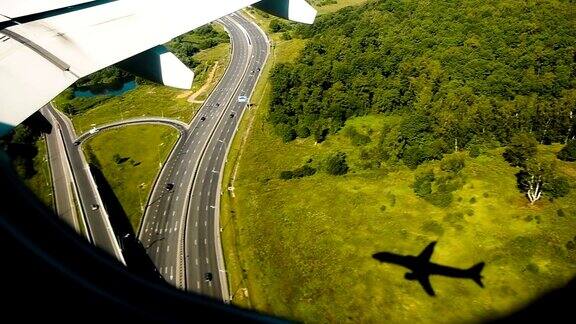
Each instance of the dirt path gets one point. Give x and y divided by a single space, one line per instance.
192 98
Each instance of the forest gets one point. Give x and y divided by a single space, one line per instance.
467 75
463 73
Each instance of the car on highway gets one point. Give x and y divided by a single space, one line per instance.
94 207
208 276
242 98
76 143
217 104
231 115
203 118
169 186
93 130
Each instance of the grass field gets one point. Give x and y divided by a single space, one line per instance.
302 248
325 229
141 149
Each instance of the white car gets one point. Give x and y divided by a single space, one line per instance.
93 130
242 99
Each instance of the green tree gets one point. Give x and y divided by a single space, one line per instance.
423 184
568 152
522 147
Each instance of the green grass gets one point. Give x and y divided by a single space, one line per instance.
339 5
303 247
41 182
143 147
318 267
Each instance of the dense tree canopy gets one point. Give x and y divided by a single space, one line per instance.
463 73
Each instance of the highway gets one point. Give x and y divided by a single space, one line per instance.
180 126
180 226
64 191
79 182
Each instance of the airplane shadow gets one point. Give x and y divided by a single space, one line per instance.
421 268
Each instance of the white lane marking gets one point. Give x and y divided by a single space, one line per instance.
194 151
182 182
196 261
163 214
195 242
197 284
167 248
207 260
177 197
205 223
198 208
177 172
182 161
173 213
171 273
157 249
206 208
190 161
196 224
205 241
160 231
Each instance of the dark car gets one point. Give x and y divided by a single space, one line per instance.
77 143
217 105
231 115
169 186
203 118
208 276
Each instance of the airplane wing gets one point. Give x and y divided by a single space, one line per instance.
426 254
45 46
425 283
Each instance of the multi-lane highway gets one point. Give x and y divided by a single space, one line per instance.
180 227
77 184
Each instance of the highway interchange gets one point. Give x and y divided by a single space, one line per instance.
180 229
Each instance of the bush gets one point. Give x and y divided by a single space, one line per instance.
303 131
355 137
286 175
474 151
452 164
336 164
423 184
286 132
304 171
440 199
301 172
568 152
557 187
